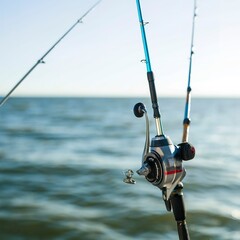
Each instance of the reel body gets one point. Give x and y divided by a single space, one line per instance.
162 166
161 159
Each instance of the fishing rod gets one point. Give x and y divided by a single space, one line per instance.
161 159
187 121
4 99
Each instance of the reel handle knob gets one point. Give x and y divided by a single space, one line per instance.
128 177
139 110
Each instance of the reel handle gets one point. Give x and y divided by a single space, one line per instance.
139 110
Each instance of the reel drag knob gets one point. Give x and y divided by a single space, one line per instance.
139 110
187 151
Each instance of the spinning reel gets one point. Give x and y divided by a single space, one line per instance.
161 159
162 167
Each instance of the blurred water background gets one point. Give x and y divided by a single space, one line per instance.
62 163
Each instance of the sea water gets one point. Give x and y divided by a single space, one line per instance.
62 162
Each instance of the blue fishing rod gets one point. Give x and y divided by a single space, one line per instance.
187 120
4 99
161 159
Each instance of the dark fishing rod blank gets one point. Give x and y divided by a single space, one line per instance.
4 99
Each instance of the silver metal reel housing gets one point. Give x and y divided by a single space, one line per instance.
161 166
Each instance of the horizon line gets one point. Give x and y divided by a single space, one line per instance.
118 96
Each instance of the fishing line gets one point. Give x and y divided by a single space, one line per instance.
187 120
4 99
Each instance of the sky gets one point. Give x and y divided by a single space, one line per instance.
102 56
